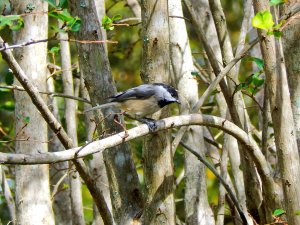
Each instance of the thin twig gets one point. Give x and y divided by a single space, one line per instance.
53 94
31 42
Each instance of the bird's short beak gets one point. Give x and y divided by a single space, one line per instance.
178 101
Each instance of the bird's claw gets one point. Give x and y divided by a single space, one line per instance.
151 123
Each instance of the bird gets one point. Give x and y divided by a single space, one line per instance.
141 101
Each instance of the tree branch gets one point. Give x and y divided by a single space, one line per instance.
4 46
53 94
57 128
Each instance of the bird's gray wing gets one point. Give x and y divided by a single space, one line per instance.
141 92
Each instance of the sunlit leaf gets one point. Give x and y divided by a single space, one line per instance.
278 212
259 62
107 23
13 22
276 2
116 17
263 20
54 50
51 2
63 4
75 24
195 73
26 119
61 15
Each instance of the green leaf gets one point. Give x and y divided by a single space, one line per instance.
9 78
263 20
259 62
61 15
278 212
107 23
72 23
75 24
277 34
51 2
276 2
56 29
116 17
54 50
26 119
258 82
13 22
240 87
63 4
66 186
9 105
195 73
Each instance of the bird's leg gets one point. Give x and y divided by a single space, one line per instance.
151 123
116 120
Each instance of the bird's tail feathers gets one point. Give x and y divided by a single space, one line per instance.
103 106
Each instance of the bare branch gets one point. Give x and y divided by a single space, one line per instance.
57 128
53 94
31 42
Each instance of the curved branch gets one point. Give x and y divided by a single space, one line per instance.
142 130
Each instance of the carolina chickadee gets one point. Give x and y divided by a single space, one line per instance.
141 101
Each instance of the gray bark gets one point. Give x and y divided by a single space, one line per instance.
71 127
94 64
197 209
284 129
291 48
61 201
158 164
33 202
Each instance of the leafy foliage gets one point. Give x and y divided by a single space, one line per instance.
263 20
63 4
278 212
71 23
54 50
254 81
276 2
60 12
13 22
107 22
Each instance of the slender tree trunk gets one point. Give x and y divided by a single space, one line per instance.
71 127
291 48
8 196
209 29
61 200
284 129
135 7
197 209
32 182
158 160
123 180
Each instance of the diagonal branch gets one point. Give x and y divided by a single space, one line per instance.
57 128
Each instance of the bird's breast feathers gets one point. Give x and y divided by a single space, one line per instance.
139 108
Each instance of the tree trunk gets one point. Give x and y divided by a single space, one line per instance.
61 201
197 209
71 127
291 48
123 180
32 182
158 160
284 129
